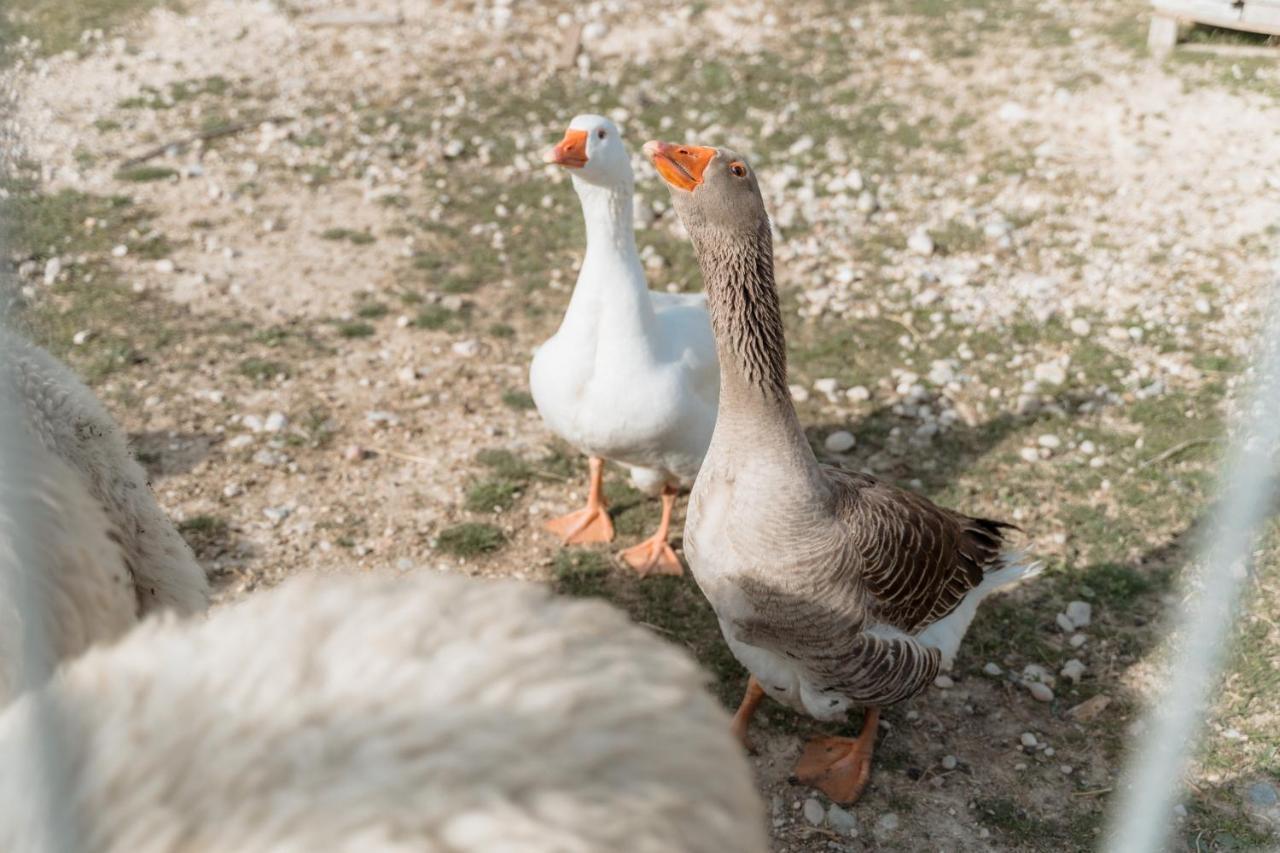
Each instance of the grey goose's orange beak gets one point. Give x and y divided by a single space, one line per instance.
571 151
679 165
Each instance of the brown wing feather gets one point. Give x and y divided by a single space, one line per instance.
917 559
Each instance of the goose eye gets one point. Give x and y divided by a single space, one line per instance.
738 169
600 134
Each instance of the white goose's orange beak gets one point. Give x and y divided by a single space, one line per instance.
570 151
679 165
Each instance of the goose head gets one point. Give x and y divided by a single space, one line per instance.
592 151
714 190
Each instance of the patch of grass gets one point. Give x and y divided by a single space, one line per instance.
580 572
57 24
957 237
502 331
471 539
260 369
145 174
372 310
359 238
495 495
355 330
203 532
439 317
519 400
88 295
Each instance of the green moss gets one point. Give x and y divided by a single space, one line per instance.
359 238
372 310
260 369
471 539
144 174
519 400
494 495
355 330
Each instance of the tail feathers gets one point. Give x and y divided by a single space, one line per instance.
946 634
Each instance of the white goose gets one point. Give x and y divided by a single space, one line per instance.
631 375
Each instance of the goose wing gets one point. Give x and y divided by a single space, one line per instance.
916 560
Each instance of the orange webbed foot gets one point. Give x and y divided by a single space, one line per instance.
839 767
652 557
587 525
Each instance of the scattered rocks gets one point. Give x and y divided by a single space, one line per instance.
840 441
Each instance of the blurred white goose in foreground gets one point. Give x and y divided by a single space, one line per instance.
833 588
421 713
80 531
631 374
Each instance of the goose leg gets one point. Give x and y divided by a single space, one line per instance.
840 767
591 523
747 710
654 555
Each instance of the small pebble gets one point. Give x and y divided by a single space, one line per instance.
1080 613
353 453
1080 327
887 822
944 681
276 422
1040 692
813 811
1066 769
231 490
920 242
1028 740
842 820
1263 794
1050 441
1072 670
799 393
1077 640
949 762
992 669
858 394
81 337
1065 623
840 441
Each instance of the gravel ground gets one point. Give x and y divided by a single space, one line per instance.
1022 265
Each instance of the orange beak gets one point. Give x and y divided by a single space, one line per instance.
679 165
571 151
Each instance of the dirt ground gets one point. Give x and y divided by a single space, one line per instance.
1021 261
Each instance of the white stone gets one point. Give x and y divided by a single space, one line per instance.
1077 640
841 820
1040 692
275 422
992 669
1088 448
1080 613
1050 441
1065 623
1072 670
1050 373
887 822
52 267
920 242
466 348
840 441
1029 454
826 385
231 490
949 762
81 337
813 812
164 265
799 393
853 180
858 394
944 681
253 422
1028 740
240 441
1080 327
